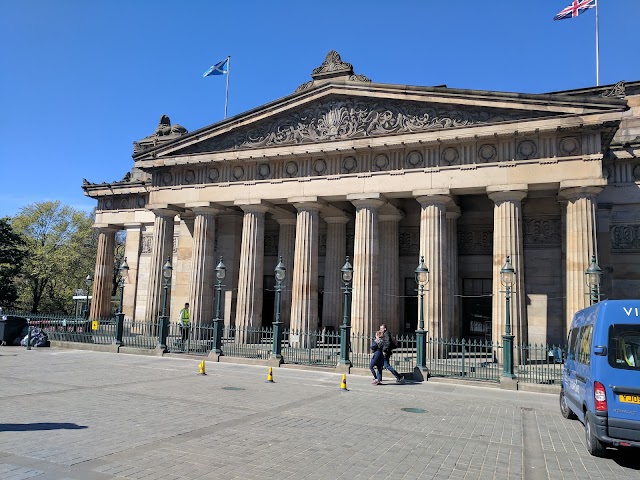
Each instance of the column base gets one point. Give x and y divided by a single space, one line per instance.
215 356
420 374
509 383
343 367
275 361
161 350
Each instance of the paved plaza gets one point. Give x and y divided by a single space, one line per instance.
84 415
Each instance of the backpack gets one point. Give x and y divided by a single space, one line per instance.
393 343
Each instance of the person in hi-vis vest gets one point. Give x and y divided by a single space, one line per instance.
184 322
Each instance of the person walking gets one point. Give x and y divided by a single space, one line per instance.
377 360
388 345
184 323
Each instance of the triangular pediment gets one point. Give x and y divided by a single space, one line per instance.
352 111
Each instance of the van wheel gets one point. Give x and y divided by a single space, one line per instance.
594 446
564 407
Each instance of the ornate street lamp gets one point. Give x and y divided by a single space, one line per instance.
124 274
87 282
164 320
422 278
345 328
276 349
507 277
593 276
221 273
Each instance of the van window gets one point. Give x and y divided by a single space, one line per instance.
573 338
584 345
624 346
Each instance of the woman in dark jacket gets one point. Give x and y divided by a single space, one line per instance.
377 360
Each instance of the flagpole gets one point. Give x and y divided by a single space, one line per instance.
597 48
226 94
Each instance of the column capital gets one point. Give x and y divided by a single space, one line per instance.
164 210
303 206
507 193
437 199
343 219
453 212
204 207
106 227
574 189
253 206
286 220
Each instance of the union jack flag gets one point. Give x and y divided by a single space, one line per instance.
575 9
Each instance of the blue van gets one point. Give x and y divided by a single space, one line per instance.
601 377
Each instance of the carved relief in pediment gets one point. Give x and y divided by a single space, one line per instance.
347 118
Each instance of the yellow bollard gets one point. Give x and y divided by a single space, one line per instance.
270 376
202 368
343 384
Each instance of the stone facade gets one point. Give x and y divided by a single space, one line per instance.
385 173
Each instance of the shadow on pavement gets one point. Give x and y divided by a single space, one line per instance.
626 457
27 427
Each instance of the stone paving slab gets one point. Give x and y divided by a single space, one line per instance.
82 415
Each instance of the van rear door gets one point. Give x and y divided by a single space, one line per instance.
624 381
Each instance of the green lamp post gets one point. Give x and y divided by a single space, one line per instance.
507 277
124 275
345 328
221 273
164 320
276 349
422 278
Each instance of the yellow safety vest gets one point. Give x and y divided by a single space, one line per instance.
184 316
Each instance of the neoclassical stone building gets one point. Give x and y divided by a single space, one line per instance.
384 173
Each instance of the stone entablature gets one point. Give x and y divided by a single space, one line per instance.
625 238
116 201
440 154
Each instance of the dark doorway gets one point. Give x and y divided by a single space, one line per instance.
268 300
410 324
320 301
476 308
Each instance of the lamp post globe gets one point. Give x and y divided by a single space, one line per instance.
593 276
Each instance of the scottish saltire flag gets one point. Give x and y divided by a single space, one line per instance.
576 8
219 68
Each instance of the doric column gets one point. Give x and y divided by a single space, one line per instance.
580 244
250 279
132 253
507 240
390 270
286 248
332 308
304 285
203 263
103 274
452 325
161 248
365 301
433 245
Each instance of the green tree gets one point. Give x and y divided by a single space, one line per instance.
61 248
12 253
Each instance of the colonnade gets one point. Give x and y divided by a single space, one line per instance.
376 277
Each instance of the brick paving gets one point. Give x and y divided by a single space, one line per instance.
86 415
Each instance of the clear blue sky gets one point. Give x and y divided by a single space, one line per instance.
80 80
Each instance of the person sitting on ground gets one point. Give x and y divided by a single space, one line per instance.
377 360
388 345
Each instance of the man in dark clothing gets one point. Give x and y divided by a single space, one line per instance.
388 344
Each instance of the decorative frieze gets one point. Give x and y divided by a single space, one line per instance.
147 244
542 232
625 238
271 244
123 202
409 242
475 239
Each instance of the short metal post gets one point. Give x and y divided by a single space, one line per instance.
507 339
164 324
119 328
462 372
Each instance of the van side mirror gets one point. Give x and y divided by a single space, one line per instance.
600 350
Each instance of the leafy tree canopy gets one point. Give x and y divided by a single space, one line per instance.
12 254
61 250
